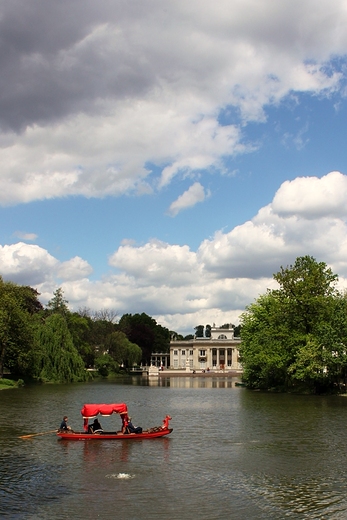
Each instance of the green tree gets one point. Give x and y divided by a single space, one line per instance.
80 330
122 350
57 358
17 305
199 331
105 364
305 288
296 335
145 332
58 304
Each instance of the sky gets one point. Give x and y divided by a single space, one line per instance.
168 157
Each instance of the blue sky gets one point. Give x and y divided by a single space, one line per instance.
168 158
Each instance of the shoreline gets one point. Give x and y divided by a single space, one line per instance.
177 373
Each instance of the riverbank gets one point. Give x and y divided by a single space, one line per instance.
5 384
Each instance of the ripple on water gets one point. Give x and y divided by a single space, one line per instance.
121 476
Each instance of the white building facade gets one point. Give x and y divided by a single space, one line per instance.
220 352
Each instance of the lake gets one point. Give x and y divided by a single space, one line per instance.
233 454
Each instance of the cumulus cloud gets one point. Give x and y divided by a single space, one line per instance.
311 197
182 288
74 269
26 264
196 193
91 95
157 263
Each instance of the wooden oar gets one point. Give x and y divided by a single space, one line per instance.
35 434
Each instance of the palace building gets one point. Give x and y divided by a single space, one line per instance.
220 352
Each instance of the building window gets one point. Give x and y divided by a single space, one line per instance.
222 336
190 352
175 363
175 353
183 352
202 353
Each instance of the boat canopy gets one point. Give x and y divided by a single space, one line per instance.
92 410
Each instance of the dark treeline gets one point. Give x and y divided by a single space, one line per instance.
52 344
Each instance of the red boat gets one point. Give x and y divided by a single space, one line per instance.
90 411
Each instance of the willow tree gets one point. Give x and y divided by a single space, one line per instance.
57 358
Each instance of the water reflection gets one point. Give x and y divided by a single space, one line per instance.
196 382
233 454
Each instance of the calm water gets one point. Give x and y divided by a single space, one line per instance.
233 454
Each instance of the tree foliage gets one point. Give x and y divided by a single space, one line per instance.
57 359
296 336
145 332
55 344
17 305
123 351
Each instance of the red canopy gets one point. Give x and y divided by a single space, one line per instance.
92 410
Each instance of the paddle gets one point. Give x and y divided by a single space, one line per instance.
35 434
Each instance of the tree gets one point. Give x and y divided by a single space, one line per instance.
296 334
58 304
237 331
122 350
199 331
80 330
305 288
145 332
57 359
17 305
263 351
106 315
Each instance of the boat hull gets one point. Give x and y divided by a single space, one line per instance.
82 436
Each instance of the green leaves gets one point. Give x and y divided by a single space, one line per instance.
297 334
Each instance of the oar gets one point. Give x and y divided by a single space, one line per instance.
35 434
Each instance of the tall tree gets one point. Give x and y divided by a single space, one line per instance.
58 304
291 335
17 304
199 331
58 360
145 332
122 350
304 289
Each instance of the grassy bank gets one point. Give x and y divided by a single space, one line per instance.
9 383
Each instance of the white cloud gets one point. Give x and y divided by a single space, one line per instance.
182 288
311 197
196 193
74 269
26 264
115 89
157 263
25 236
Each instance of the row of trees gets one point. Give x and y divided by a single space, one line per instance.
202 331
54 344
295 337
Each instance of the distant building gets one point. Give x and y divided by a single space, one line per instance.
218 352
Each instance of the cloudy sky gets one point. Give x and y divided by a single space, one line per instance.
167 157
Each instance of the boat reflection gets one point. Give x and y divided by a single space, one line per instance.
94 452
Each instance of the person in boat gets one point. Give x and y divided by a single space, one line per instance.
130 428
63 425
95 427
